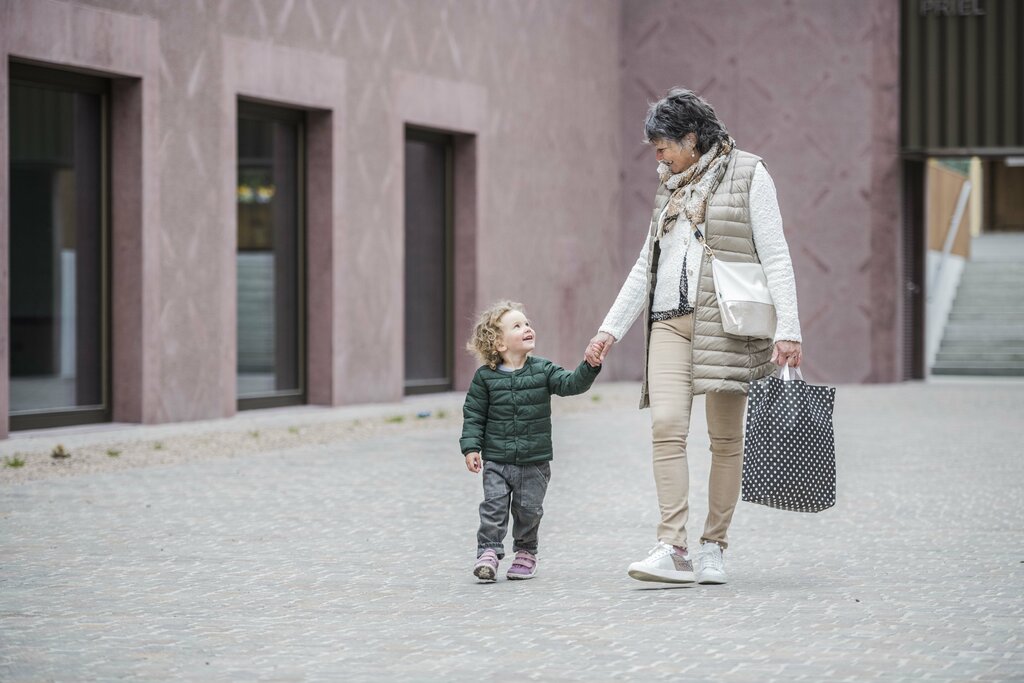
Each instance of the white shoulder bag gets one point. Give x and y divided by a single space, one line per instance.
743 299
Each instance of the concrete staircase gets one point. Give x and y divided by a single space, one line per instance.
985 332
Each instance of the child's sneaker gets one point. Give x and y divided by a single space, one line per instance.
486 568
664 564
523 567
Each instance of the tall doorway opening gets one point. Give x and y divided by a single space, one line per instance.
429 249
271 267
59 262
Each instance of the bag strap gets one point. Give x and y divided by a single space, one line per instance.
700 238
784 374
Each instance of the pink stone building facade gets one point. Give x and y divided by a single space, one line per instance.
550 190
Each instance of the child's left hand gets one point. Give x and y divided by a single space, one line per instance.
598 348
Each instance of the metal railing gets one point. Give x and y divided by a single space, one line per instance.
951 233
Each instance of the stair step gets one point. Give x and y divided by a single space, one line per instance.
983 338
992 290
1011 345
980 363
1000 325
994 266
1003 290
985 370
988 300
951 357
979 280
978 293
989 333
1008 265
1007 313
986 340
963 346
980 343
992 287
1013 308
977 318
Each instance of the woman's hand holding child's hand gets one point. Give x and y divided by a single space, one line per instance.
598 348
473 462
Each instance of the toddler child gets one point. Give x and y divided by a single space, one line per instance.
506 432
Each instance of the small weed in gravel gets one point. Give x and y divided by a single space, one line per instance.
596 398
60 452
158 446
441 414
14 462
395 419
293 430
113 452
255 433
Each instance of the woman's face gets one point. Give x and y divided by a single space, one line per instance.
679 157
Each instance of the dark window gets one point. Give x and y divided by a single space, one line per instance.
428 262
913 270
57 252
270 264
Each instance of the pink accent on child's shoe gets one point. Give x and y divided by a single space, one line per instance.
523 567
486 568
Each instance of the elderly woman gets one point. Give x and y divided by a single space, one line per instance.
725 193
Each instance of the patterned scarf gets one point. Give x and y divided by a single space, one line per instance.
691 188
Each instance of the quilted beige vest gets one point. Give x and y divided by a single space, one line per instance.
721 362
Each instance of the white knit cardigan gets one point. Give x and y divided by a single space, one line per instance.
772 249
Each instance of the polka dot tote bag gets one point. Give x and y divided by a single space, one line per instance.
789 455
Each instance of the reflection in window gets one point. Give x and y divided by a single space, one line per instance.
57 359
269 248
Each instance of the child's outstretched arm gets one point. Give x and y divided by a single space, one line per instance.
474 422
564 383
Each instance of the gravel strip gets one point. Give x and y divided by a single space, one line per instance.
91 450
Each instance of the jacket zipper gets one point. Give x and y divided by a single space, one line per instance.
515 421
696 292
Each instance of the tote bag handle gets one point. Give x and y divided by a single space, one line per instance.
783 374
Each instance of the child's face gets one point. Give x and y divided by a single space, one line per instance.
517 334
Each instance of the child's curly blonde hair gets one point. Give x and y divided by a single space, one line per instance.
487 332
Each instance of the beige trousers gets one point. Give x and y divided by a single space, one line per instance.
669 382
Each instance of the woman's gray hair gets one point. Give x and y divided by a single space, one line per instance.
682 112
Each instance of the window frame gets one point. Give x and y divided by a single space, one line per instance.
31 74
261 110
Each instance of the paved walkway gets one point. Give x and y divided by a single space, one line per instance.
349 560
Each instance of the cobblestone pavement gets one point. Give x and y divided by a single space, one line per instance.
350 560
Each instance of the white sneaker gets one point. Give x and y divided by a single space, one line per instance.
664 564
711 564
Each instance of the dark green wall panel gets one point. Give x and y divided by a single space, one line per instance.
962 76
